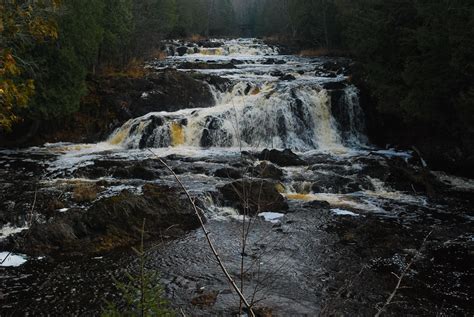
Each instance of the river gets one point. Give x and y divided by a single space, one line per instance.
311 259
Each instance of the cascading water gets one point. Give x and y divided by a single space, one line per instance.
260 110
343 200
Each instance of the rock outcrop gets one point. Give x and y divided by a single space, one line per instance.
110 223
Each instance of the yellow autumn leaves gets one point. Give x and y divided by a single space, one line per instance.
21 26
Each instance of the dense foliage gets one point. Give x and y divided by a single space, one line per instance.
417 57
22 25
48 47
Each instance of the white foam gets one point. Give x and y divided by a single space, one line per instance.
343 212
9 230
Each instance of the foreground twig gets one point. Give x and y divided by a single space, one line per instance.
401 277
209 241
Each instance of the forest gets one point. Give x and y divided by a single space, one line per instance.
236 157
415 56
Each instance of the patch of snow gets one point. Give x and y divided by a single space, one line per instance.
63 209
11 260
273 217
343 212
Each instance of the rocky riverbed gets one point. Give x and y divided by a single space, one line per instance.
275 137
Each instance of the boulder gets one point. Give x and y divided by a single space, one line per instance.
228 172
254 196
182 50
273 61
336 184
276 73
222 84
110 223
171 91
237 61
281 158
317 204
288 77
268 170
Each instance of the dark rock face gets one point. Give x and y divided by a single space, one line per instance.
336 184
277 73
258 195
182 50
111 223
145 170
272 61
228 172
281 158
237 61
213 135
268 170
210 44
172 91
318 204
334 85
288 77
222 84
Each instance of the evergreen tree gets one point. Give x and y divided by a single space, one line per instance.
117 24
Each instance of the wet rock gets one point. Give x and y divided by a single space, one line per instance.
228 172
182 50
268 170
336 184
331 66
273 61
317 204
334 85
325 74
237 61
258 195
84 192
136 171
281 158
276 73
172 91
222 84
405 178
288 77
111 223
213 135
210 44
146 170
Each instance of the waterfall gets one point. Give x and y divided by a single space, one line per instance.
271 115
274 101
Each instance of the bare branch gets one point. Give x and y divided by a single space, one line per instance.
400 278
209 241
